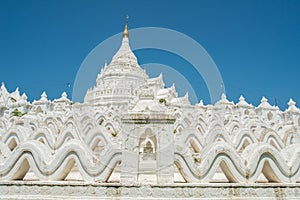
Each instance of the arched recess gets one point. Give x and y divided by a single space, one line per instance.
22 170
148 139
234 130
228 109
181 175
97 145
289 139
12 144
89 126
227 172
74 174
32 126
187 122
68 168
270 116
269 173
273 143
114 176
246 112
200 130
273 139
201 126
244 145
110 127
84 119
101 121
290 136
179 128
223 174
64 137
52 127
44 136
111 176
41 140
194 147
147 157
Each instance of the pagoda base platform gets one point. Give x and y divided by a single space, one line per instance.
83 190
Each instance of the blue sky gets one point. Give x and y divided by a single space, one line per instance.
255 43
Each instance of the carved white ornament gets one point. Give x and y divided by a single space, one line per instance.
131 123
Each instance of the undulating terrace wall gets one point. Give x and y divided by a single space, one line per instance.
50 138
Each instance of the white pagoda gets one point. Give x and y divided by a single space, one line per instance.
130 129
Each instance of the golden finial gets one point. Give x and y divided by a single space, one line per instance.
126 32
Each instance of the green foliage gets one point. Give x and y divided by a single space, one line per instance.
162 100
114 134
17 113
196 160
175 131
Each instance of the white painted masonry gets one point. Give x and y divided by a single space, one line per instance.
132 130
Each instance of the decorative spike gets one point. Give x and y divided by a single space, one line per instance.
243 103
3 88
201 103
263 99
186 95
64 95
292 106
223 96
265 104
241 98
44 96
292 103
173 86
24 96
126 32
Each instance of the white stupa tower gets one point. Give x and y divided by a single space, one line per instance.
118 81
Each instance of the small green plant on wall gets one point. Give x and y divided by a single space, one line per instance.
114 134
197 160
17 113
162 100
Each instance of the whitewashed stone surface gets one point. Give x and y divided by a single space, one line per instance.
71 190
131 131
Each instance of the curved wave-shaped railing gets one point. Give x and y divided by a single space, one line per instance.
94 134
243 145
57 166
256 159
45 135
54 146
242 136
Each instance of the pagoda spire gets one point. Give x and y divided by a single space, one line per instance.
126 32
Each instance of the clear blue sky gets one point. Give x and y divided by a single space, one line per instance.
255 43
